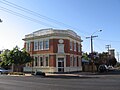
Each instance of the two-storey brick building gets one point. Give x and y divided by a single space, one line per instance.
54 50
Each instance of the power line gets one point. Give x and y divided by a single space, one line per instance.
25 17
109 40
97 46
39 15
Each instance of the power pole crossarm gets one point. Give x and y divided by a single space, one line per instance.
91 37
108 47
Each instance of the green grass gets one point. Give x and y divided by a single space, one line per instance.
17 73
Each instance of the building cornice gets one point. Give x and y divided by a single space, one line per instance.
43 33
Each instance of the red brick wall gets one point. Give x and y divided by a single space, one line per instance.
52 60
31 46
67 46
53 47
67 60
24 45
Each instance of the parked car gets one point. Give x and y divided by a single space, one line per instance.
39 73
103 68
111 68
4 71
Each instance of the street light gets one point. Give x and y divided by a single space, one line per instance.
91 38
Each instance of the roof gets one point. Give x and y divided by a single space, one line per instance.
54 32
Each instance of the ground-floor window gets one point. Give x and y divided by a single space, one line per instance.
41 61
36 61
46 61
79 61
75 61
71 61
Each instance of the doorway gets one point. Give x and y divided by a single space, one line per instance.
60 64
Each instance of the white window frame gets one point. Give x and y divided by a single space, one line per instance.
35 45
71 45
79 47
36 61
75 61
46 44
46 63
41 61
71 61
27 46
79 61
74 46
41 46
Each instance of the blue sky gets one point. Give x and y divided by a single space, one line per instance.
82 16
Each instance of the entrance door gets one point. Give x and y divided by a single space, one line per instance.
60 64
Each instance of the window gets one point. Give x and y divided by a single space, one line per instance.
79 61
79 48
71 45
71 61
41 61
46 44
28 46
41 45
46 61
35 45
35 62
74 46
75 61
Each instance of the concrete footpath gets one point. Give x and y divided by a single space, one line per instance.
83 75
76 75
73 75
65 75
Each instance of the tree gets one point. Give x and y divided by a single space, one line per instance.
16 56
5 61
85 56
112 61
103 58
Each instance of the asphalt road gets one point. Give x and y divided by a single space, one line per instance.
99 82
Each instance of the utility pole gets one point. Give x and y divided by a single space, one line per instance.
108 48
91 38
92 56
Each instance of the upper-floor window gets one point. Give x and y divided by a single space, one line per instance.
71 45
28 46
35 45
46 44
40 45
79 47
74 46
